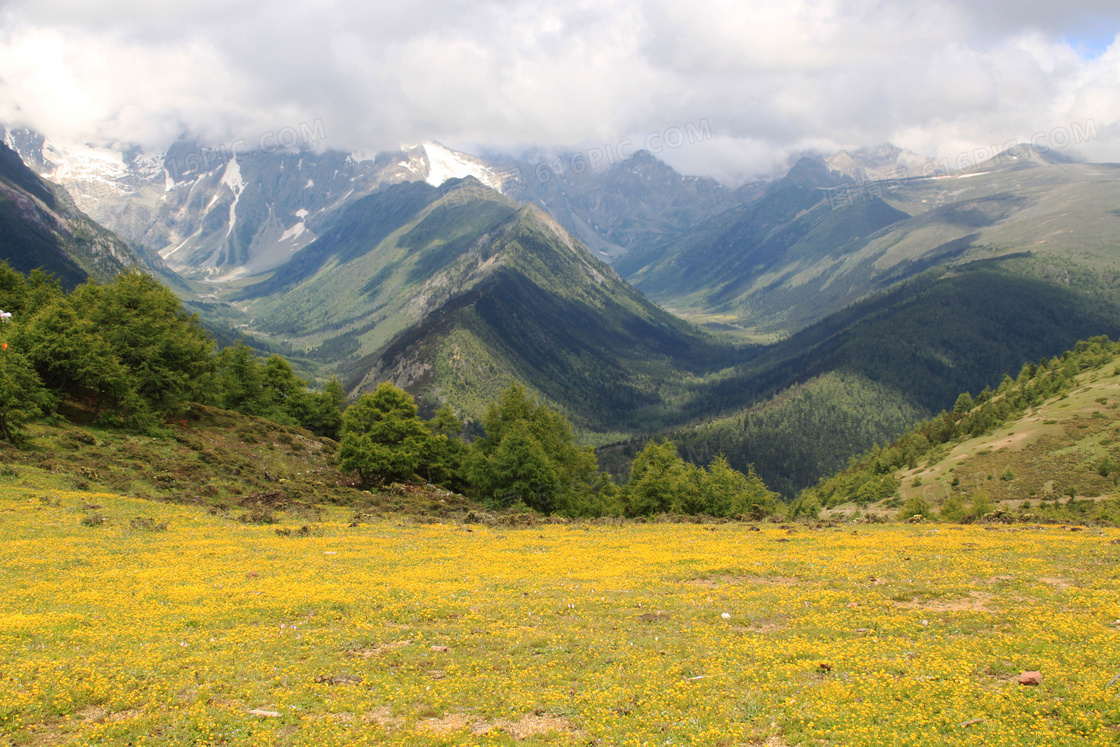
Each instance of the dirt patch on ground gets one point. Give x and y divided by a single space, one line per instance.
369 653
714 582
384 718
96 714
760 626
91 714
1058 583
974 602
529 725
450 722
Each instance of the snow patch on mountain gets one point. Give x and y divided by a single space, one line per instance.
444 164
294 232
94 172
231 178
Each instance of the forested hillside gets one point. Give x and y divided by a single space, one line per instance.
1037 446
126 353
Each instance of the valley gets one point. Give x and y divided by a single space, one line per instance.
520 374
907 291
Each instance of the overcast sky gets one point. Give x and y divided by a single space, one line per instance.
767 79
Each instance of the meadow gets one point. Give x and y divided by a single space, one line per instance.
126 621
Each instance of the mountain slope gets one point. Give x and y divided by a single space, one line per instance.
801 252
40 227
454 294
1040 447
237 210
799 409
625 206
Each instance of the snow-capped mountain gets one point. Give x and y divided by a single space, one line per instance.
224 213
90 173
218 213
439 164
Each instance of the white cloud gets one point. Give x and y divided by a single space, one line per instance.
771 78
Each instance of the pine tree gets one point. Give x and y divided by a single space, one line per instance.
324 411
383 439
563 481
240 380
22 395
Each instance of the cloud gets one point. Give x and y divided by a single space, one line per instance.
771 78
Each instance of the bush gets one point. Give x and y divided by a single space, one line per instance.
93 519
384 440
915 506
146 524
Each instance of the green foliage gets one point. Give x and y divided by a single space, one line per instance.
13 290
727 492
167 353
71 356
22 395
662 482
124 348
129 354
529 455
804 433
806 506
955 510
915 506
281 389
240 380
323 416
271 389
658 481
384 440
519 471
449 452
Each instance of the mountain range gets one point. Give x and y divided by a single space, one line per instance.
851 296
816 240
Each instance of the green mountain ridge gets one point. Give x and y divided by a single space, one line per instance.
798 409
1039 448
546 312
454 294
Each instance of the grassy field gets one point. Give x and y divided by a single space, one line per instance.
126 621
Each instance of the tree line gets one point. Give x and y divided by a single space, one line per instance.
529 458
125 354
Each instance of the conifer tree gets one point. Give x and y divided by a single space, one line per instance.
383 439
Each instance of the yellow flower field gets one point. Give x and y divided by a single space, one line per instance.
215 632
